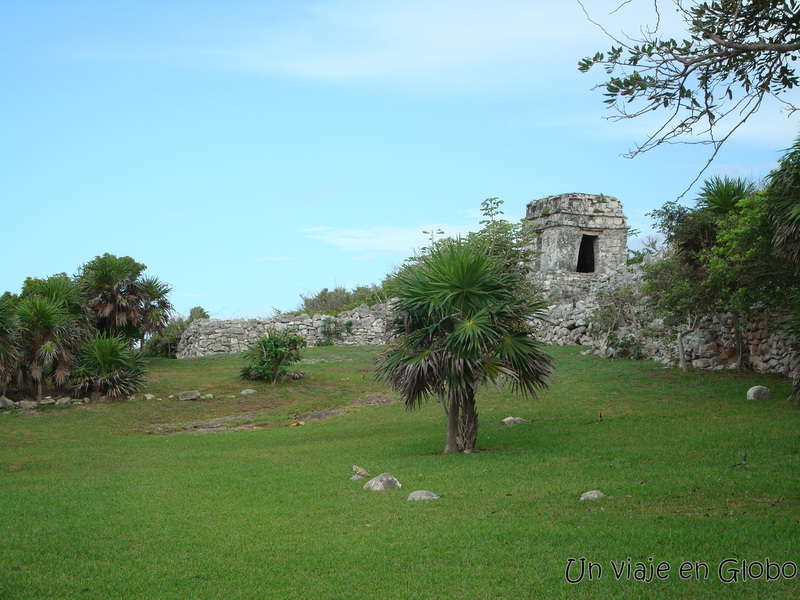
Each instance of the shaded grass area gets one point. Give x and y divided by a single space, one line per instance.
94 507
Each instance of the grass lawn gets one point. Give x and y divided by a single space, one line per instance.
99 501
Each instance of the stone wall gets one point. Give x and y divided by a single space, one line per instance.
361 326
711 346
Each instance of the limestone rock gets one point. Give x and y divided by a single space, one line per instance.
190 395
592 495
149 397
759 392
28 404
64 401
48 400
422 495
384 481
360 472
247 392
511 421
207 397
5 402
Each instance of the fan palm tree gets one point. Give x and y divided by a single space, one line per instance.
721 195
48 337
459 325
114 294
110 367
9 343
156 307
784 195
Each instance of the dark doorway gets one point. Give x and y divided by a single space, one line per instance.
586 254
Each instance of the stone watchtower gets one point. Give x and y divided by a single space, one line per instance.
579 237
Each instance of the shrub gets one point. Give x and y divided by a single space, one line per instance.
165 343
270 357
110 367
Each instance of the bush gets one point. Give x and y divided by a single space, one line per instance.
165 343
270 357
110 367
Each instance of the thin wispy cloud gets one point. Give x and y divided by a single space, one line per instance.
384 239
435 43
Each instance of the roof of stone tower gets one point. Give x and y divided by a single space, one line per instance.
578 210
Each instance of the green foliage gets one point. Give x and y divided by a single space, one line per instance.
721 195
743 267
42 331
621 307
339 299
461 324
164 344
108 367
783 193
121 300
330 330
9 347
47 335
270 357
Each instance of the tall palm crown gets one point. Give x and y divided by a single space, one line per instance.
460 324
721 195
122 301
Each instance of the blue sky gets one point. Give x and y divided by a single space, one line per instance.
249 152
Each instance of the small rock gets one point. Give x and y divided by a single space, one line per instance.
592 495
63 401
247 392
759 392
171 396
5 402
422 495
357 477
207 397
511 421
28 404
149 397
384 481
361 472
48 400
190 395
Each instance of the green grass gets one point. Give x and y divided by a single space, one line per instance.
94 506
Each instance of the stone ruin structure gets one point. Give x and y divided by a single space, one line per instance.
579 238
581 246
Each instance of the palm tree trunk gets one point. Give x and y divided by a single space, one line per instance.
468 424
451 443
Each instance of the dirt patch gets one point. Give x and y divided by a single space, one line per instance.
219 425
322 414
376 400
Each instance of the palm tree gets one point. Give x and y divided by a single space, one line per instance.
114 294
459 324
9 342
156 307
48 337
110 367
784 196
721 195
